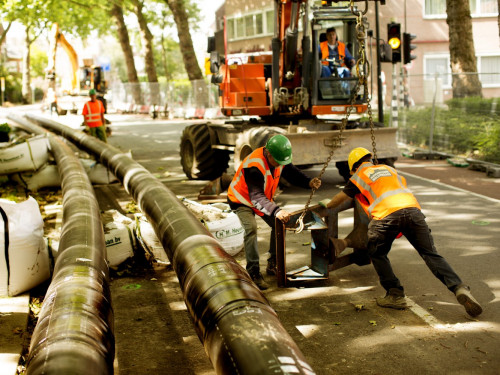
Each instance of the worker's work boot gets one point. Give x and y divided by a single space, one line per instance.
394 299
258 279
465 298
271 267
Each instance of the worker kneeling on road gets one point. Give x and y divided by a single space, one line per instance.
93 117
251 192
393 209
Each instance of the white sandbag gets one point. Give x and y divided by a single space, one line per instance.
27 263
98 173
223 224
47 176
229 232
28 155
118 234
147 237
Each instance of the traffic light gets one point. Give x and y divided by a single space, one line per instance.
394 40
408 47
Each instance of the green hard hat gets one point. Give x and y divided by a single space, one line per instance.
92 92
280 149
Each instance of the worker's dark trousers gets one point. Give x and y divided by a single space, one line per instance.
410 222
247 219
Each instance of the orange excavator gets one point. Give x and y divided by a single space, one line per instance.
82 78
285 92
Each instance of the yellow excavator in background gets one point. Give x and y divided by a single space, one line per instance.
82 78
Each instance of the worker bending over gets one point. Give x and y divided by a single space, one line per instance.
393 209
251 192
93 117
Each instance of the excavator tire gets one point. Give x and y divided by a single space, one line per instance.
199 161
252 139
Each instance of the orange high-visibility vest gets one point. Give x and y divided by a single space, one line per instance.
92 113
384 189
325 52
238 190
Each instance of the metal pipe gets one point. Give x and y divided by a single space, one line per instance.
240 331
74 333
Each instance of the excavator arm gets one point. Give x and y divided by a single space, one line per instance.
57 38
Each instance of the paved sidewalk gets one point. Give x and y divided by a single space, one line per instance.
14 313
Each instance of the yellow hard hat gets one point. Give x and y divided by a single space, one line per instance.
356 155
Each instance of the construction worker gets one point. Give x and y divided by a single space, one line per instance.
251 192
336 51
93 117
393 209
52 100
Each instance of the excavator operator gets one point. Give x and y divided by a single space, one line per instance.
335 56
251 192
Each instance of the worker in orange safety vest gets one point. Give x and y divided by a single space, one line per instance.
393 209
333 49
252 191
93 117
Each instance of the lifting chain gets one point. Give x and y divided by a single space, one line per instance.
362 81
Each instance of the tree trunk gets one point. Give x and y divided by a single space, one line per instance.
200 90
5 31
181 20
149 61
117 14
498 17
462 55
26 81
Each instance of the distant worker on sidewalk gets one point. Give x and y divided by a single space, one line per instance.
393 209
251 192
93 116
52 100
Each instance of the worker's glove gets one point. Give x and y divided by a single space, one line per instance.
315 183
324 202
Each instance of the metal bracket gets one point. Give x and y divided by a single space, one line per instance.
324 255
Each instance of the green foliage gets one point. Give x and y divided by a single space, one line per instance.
13 92
4 128
468 126
39 61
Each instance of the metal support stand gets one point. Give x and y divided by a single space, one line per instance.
325 256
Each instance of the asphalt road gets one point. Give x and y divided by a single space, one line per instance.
154 333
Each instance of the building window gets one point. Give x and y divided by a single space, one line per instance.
489 68
251 25
478 8
438 66
435 8
270 22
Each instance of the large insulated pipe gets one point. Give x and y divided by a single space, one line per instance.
240 331
74 333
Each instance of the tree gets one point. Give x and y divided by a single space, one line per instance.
147 43
498 16
116 12
462 55
178 9
5 31
33 15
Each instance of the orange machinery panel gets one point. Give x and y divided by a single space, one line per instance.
251 99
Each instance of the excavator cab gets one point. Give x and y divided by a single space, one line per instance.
334 81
